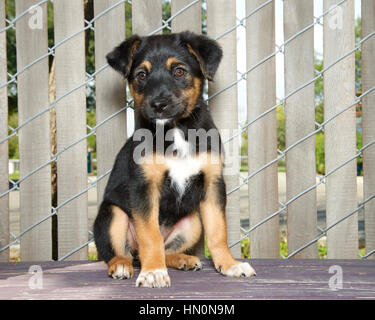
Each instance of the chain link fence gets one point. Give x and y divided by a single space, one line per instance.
166 25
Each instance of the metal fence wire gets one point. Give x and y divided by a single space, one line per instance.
90 79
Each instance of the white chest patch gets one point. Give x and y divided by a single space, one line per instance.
182 167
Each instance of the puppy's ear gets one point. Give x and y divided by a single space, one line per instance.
207 52
121 57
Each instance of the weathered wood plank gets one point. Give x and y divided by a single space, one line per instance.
299 122
147 16
34 138
368 118
340 133
262 142
276 279
190 19
221 15
110 88
71 125
4 174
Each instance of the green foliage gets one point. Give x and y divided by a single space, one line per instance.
319 112
280 122
13 141
166 15
243 152
319 153
322 250
284 248
128 19
245 248
359 145
91 140
14 176
318 85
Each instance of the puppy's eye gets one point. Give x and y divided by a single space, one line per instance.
141 75
179 72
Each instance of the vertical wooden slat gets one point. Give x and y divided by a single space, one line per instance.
300 121
262 137
368 118
34 138
147 16
4 174
340 133
71 125
110 88
221 15
190 19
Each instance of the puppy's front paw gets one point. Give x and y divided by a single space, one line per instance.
157 278
241 269
120 268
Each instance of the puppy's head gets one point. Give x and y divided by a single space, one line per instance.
166 72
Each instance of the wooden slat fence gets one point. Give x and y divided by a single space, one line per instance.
300 121
262 141
340 133
262 200
34 138
71 125
110 88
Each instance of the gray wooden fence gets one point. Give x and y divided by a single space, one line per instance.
112 106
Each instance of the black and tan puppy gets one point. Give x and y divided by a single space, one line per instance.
164 185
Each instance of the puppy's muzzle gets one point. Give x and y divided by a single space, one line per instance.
158 105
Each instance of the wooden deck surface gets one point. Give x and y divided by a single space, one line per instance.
276 279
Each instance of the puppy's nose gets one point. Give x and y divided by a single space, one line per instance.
159 105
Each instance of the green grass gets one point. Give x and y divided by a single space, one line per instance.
322 251
14 176
243 168
93 256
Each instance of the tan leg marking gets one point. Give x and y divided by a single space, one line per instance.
118 230
151 252
120 267
214 224
150 241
